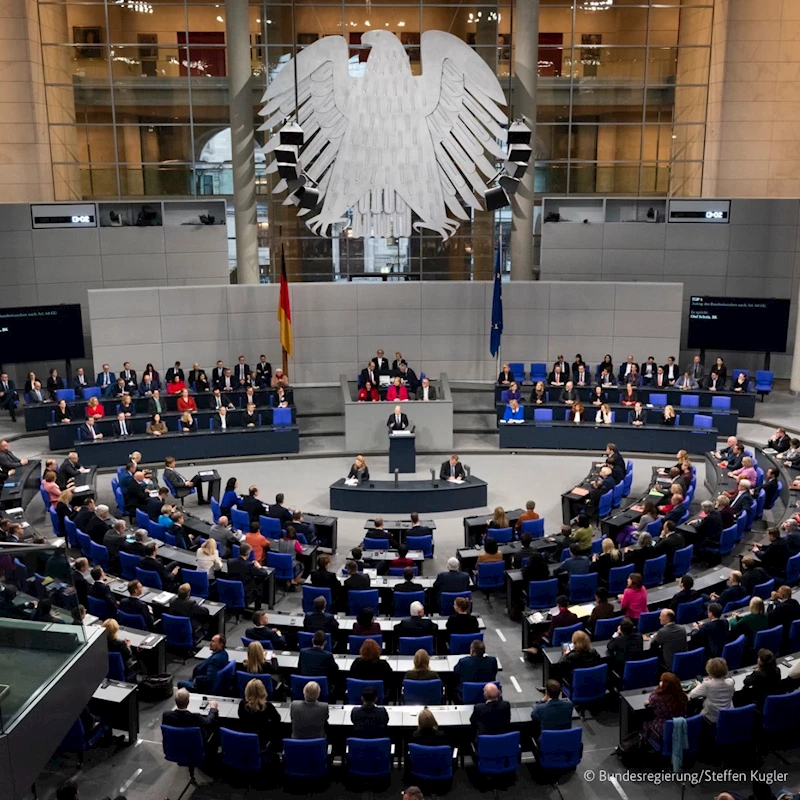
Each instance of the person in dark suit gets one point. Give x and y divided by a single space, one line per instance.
416 529
252 505
218 375
774 555
569 394
357 581
147 385
379 532
462 621
8 396
323 577
552 713
370 721
426 391
101 590
369 373
316 660
711 634
278 511
154 504
135 605
753 574
319 619
137 494
742 500
708 528
715 382
452 468
181 717
770 486
669 541
250 417
85 514
241 373
263 372
780 441
417 624
79 382
686 594
182 605
205 673
638 416
138 547
173 371
477 666
129 376
785 609
492 716
672 371
98 524
155 403
397 421
451 581
261 632
54 383
166 573
88 431
219 400
408 584
121 426
80 569
113 540
69 470
249 573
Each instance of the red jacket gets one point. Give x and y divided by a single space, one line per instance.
97 411
187 405
374 396
175 388
397 394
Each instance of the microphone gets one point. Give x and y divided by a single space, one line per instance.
468 471
396 478
433 476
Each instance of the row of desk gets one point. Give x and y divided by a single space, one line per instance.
403 497
39 415
743 402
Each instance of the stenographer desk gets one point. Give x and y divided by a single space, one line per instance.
425 496
20 488
547 435
191 446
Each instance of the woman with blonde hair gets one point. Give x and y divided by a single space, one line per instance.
208 557
63 507
499 518
187 423
668 416
603 415
257 662
121 646
580 656
258 715
577 413
539 394
716 689
751 623
422 668
609 558
427 731
359 470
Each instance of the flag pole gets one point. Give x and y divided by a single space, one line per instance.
500 346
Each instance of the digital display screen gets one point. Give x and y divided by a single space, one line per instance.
738 323
41 333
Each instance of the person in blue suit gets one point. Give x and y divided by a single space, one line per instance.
476 667
316 660
514 412
205 673
106 380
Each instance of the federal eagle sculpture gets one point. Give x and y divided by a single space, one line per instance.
391 144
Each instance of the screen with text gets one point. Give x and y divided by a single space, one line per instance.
738 323
40 333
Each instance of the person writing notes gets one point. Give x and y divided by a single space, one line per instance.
397 421
359 471
452 469
514 412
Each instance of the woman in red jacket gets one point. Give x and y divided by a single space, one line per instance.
95 408
176 385
397 391
368 392
186 403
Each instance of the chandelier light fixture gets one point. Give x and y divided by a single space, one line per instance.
140 6
597 5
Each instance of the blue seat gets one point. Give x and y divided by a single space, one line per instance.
654 568
179 632
793 570
298 683
538 372
618 578
764 382
446 600
156 531
364 598
691 401
403 601
91 391
375 544
543 414
354 642
689 664
491 576
283 564
461 642
535 527
149 578
243 678
216 512
771 639
120 501
583 587
658 399
355 688
270 527
369 759
142 519
223 681
424 543
20 575
640 674
733 605
606 501
689 612
733 652
654 527
517 370
231 594
306 639
197 579
560 750
682 561
501 535
606 628
78 740
116 667
498 754
735 725
241 752
135 621
781 712
100 556
184 747
240 520
422 693
588 685
761 500
70 532
430 764
408 645
627 482
721 403
65 394
542 594
281 417
46 500
703 421
764 590
472 691
85 544
616 495
695 727
128 563
311 593
397 572
794 636
648 622
564 635
99 608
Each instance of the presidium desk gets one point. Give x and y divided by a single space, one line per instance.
403 497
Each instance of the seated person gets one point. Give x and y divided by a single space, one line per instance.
477 667
462 621
379 532
397 391
514 412
552 712
577 413
186 402
569 394
156 427
575 564
204 674
262 632
186 423
538 394
513 392
370 721
774 556
493 716
581 656
629 395
557 377
359 470
368 393
416 624
638 416
603 415
780 441
686 381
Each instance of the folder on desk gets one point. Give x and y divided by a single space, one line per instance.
582 610
580 491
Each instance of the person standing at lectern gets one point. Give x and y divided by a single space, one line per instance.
397 421
426 391
452 469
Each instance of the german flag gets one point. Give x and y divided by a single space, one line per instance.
284 309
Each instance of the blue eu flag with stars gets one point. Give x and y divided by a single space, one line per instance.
496 331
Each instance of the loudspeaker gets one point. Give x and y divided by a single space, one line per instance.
291 133
289 171
509 184
520 153
496 198
516 169
519 133
308 196
287 153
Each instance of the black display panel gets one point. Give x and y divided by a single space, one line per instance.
40 333
738 323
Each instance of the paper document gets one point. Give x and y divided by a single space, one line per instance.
84 488
580 491
162 597
351 481
455 480
401 433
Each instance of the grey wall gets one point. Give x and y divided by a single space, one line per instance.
756 255
47 266
438 326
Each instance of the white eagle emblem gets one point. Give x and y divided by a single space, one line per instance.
391 144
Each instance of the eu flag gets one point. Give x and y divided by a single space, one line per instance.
496 332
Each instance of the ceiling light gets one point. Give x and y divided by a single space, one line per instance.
597 5
258 20
401 24
219 19
367 23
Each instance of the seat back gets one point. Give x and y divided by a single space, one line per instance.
640 674
369 758
542 594
560 750
149 578
223 681
243 678
461 642
216 512
422 693
735 725
794 636
689 664
616 494
116 667
178 631
135 621
354 642
654 528
771 639
618 579
500 535
648 622
128 563
305 759
91 391
491 575
589 684
793 570
434 764
695 727
283 563
240 520
397 572
306 639
99 608
535 527
583 587
538 372
691 401
606 628
375 544
403 601
85 544
298 683
733 605
606 501
197 579
733 652
355 689
408 645
498 754
240 751
653 573
142 520
424 543
721 403
703 421
311 593
564 635
689 612
682 560
270 527
781 712
100 555
764 590
183 746
446 600
764 381
543 414
472 691
362 598
230 593
70 531
658 399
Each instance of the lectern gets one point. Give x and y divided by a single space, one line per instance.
402 451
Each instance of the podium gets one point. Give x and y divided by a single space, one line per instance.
402 452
